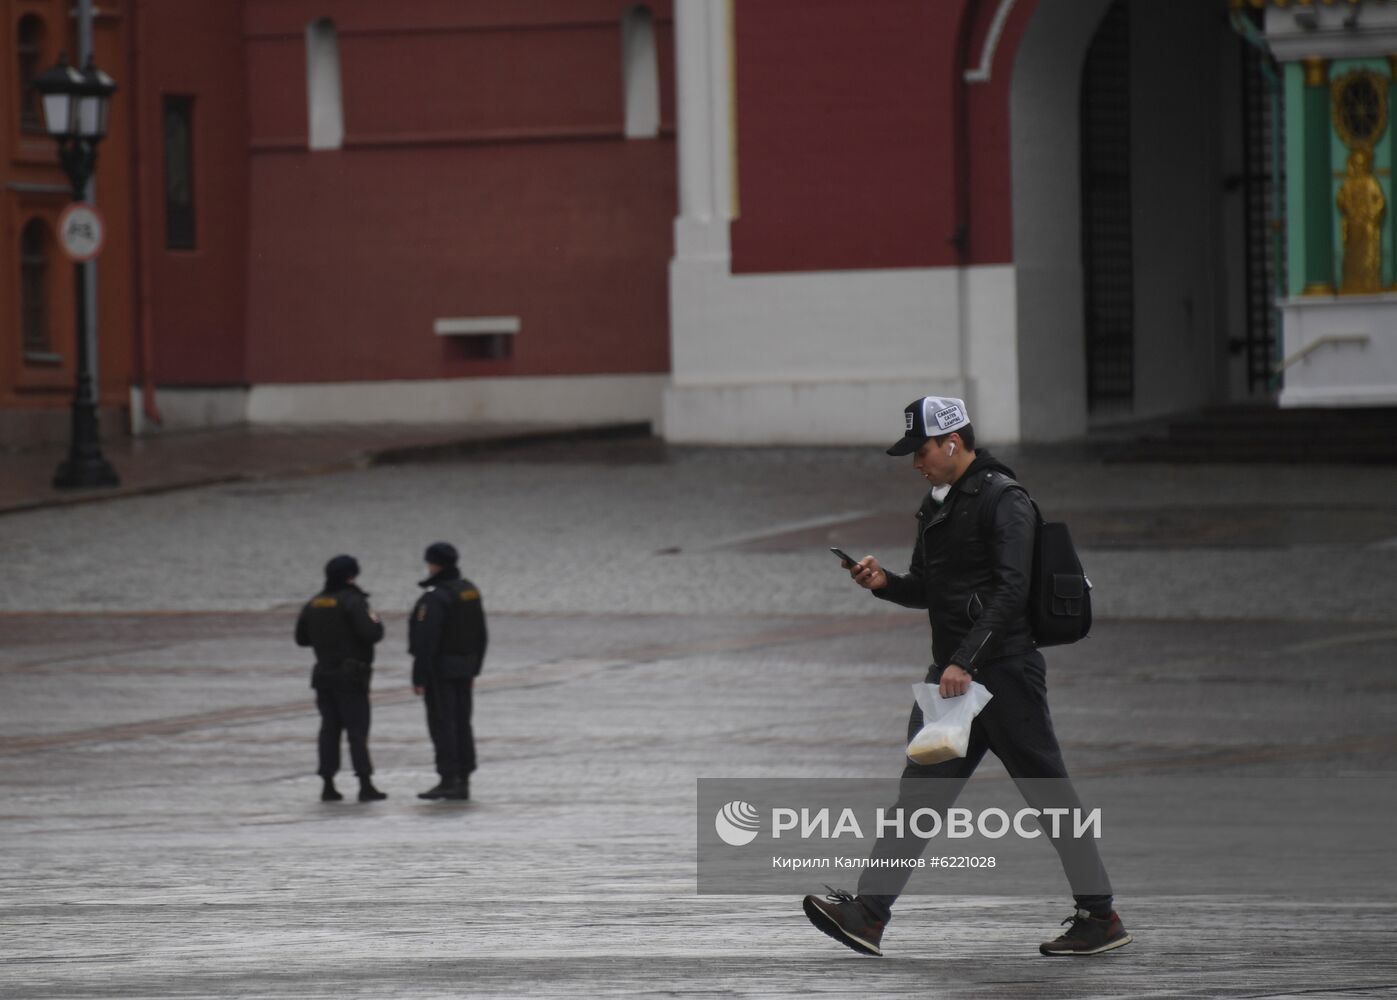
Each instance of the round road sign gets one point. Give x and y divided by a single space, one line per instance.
81 231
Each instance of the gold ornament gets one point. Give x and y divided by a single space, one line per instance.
1360 118
1362 209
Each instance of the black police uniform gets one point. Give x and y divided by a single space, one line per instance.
338 624
447 640
970 570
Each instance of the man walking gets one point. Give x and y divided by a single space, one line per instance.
339 625
447 641
970 570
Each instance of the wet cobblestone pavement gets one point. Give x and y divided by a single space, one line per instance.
162 837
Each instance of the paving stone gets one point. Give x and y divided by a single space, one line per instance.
162 834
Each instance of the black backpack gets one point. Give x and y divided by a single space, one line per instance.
1059 596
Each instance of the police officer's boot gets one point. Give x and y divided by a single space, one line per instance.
439 790
368 793
460 789
330 793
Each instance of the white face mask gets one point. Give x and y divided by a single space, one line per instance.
938 493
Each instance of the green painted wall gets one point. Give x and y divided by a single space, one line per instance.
1320 256
1295 177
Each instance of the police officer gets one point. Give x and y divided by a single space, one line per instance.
447 640
339 625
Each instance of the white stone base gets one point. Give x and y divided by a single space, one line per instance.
547 399
189 409
1341 374
795 413
582 399
832 357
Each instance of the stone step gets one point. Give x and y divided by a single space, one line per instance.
1365 435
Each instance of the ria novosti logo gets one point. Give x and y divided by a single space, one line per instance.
737 823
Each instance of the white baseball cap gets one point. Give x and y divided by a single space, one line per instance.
928 417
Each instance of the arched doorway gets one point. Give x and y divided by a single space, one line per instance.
1134 186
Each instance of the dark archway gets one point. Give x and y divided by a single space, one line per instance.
1131 238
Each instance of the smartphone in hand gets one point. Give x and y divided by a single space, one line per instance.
844 555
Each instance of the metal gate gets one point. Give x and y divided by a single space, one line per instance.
1258 188
1107 259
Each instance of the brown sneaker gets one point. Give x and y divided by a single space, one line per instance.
1088 935
845 919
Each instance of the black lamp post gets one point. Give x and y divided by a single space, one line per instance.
76 105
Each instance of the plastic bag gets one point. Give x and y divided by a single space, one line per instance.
945 733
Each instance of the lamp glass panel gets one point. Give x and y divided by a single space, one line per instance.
58 113
92 115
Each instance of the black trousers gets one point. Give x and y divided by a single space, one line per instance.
343 711
449 723
1017 728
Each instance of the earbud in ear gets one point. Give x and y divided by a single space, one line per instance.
953 448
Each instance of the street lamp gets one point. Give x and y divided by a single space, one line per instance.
76 106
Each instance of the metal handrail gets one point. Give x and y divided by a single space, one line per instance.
1324 341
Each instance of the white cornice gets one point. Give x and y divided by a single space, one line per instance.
1346 31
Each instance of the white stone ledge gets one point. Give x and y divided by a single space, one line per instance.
467 326
560 398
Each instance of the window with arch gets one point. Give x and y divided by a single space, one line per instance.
641 73
323 102
29 53
34 291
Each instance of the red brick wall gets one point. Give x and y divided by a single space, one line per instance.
196 307
847 134
483 173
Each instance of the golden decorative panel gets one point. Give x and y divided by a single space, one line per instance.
1360 118
1360 107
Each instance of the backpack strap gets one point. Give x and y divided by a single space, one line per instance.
996 485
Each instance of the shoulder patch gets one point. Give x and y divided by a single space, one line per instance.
422 612
324 602
470 595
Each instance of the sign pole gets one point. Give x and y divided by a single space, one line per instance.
89 195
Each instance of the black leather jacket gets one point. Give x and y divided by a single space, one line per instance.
338 624
971 570
446 634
